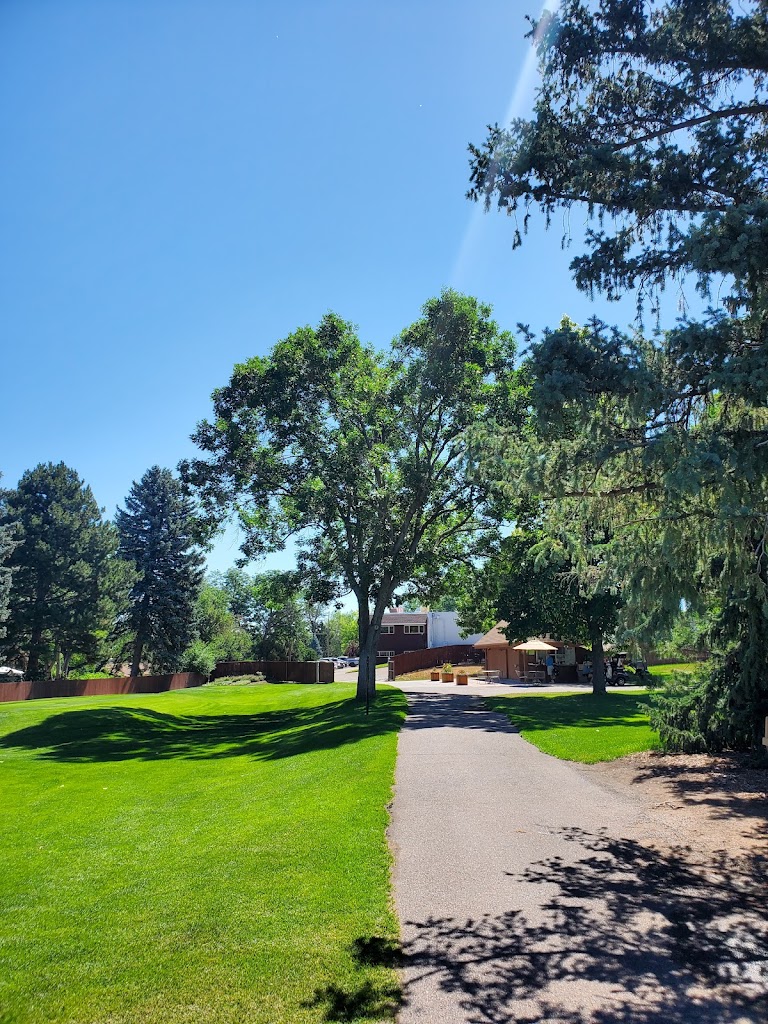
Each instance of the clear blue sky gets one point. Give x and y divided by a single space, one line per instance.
184 183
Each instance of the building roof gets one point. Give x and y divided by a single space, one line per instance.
405 618
495 638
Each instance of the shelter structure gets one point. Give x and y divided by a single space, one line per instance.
523 659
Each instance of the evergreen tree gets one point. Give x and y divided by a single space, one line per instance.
652 118
60 567
156 536
8 542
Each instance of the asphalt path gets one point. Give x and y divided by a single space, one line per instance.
529 893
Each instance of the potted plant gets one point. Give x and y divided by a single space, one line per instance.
434 675
447 674
462 676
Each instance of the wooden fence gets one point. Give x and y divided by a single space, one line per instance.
293 671
98 687
411 661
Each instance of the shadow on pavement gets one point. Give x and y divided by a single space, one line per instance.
446 710
631 936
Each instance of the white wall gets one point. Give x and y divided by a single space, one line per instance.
443 631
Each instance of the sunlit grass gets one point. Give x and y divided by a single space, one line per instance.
580 726
205 855
664 672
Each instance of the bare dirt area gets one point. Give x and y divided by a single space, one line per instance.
685 885
710 803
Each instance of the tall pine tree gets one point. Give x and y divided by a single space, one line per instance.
7 544
59 567
155 532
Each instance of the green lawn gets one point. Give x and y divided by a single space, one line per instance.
665 672
580 726
210 855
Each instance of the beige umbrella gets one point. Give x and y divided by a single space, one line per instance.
534 645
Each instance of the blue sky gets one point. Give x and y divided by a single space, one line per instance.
184 183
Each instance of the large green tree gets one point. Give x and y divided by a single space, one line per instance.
8 541
59 565
157 536
652 118
540 581
361 455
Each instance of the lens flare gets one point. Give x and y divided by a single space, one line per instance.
520 104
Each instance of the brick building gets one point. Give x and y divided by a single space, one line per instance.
416 631
402 631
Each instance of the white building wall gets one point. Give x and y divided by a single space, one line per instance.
442 630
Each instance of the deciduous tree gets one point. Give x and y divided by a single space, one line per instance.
361 455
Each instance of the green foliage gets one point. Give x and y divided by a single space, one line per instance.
693 713
689 635
580 726
156 538
199 657
651 119
268 804
8 542
218 628
60 565
361 455
342 634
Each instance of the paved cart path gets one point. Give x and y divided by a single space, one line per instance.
527 892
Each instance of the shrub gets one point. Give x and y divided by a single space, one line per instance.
695 713
199 657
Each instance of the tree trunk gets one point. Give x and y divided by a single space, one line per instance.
138 643
33 661
368 629
138 647
598 660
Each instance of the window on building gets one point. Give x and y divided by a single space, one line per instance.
387 629
414 629
385 654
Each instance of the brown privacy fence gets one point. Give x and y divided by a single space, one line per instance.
411 661
98 687
288 671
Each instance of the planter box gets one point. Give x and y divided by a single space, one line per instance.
447 677
435 677
462 680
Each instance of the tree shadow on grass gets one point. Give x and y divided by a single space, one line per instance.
145 734
566 710
369 1000
630 936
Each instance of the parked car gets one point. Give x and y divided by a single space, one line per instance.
10 675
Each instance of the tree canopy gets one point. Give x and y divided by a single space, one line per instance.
361 455
156 531
539 583
60 568
653 118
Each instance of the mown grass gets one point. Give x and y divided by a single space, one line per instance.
580 726
665 672
212 855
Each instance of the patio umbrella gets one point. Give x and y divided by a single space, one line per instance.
534 645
